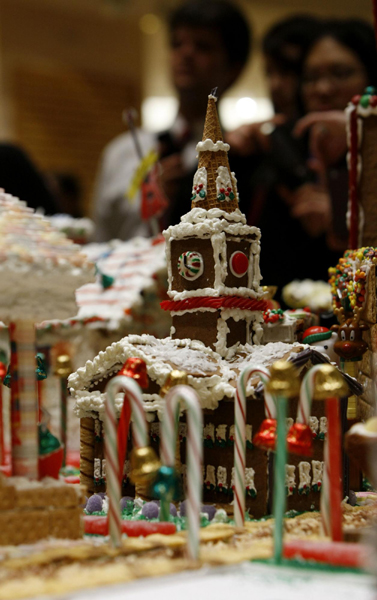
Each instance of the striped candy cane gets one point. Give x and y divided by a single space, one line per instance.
325 493
190 400
140 439
240 435
331 492
306 395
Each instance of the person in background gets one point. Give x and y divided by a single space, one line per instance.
209 46
20 177
283 48
67 191
303 216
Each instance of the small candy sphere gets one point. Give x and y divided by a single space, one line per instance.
183 508
94 504
150 510
125 502
238 263
190 265
209 509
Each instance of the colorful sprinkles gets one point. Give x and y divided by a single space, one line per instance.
348 280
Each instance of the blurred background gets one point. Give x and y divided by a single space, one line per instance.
68 68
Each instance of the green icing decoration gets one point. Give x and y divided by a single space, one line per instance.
370 90
221 197
220 443
223 490
208 443
249 445
231 196
106 281
251 492
364 101
304 491
8 379
167 485
193 197
47 442
41 367
202 194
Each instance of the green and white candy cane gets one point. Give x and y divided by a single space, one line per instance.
306 395
194 451
133 393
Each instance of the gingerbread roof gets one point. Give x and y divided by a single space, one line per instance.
214 185
40 267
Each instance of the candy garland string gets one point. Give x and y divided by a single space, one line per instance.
240 434
353 182
330 386
140 436
189 398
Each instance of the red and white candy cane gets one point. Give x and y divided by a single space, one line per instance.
189 398
133 395
306 395
240 434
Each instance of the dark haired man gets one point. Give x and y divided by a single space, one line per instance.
209 46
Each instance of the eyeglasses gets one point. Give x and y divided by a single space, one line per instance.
336 76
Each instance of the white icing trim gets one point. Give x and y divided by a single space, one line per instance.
209 145
317 467
290 478
304 474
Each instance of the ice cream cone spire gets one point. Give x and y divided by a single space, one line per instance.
214 185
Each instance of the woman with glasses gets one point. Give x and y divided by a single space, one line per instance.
303 219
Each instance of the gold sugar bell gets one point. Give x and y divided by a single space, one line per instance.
144 465
329 382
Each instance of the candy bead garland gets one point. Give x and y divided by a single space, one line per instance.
240 435
189 398
190 265
140 438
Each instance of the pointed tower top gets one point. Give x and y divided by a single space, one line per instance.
214 185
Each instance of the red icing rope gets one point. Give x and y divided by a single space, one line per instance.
214 302
352 180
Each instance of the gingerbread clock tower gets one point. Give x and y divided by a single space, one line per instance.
213 256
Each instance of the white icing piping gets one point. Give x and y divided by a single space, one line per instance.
209 145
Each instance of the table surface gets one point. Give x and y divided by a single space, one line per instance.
247 580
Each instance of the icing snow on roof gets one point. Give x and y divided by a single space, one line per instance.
126 282
210 375
40 267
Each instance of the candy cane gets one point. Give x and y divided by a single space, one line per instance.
240 435
190 399
140 438
325 493
306 395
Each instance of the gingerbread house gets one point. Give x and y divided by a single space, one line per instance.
216 303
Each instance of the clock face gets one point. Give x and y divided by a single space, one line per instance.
238 264
190 265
